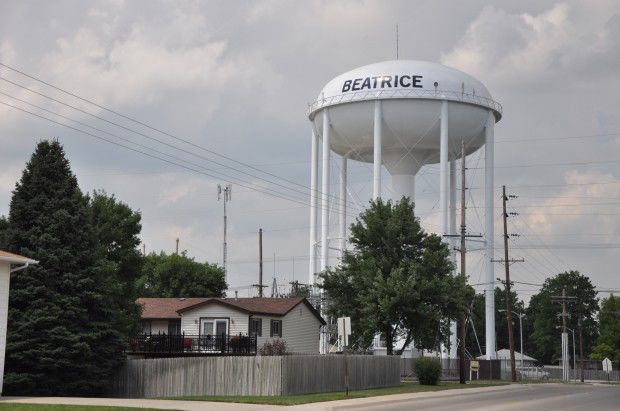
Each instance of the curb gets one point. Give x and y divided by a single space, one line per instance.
422 395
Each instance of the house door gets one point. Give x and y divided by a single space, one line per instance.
213 334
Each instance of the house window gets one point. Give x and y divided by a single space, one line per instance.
276 328
174 327
256 327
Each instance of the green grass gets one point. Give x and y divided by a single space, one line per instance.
403 388
58 407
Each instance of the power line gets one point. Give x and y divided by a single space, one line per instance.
542 140
152 155
318 193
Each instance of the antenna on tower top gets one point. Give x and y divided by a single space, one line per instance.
397 42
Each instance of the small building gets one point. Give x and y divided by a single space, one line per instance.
504 354
228 325
9 263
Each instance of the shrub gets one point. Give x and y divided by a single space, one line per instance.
273 347
428 370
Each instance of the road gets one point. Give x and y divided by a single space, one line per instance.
540 397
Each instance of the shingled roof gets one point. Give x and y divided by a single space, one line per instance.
171 308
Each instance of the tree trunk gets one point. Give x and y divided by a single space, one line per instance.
407 342
389 341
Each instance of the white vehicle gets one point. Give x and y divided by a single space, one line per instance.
533 373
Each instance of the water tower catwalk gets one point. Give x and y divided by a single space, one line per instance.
402 115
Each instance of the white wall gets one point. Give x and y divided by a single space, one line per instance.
238 320
300 329
5 277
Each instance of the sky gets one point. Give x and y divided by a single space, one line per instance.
234 79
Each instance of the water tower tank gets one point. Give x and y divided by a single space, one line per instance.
401 114
410 94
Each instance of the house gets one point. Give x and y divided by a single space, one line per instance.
216 324
9 263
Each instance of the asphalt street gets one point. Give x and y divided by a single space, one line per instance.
540 397
543 397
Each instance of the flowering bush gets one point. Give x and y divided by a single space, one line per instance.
273 347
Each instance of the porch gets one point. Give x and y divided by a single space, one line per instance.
184 345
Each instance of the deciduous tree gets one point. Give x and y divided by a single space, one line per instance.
397 281
542 315
608 341
177 275
116 228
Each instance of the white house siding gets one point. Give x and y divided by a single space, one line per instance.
265 335
300 329
190 319
4 309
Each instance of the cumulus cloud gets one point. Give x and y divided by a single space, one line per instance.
235 77
526 48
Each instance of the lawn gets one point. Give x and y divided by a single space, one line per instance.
49 407
403 388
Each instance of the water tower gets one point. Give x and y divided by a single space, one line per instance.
402 114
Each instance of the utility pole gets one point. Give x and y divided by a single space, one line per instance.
225 194
462 370
260 285
580 347
564 299
507 261
177 247
463 250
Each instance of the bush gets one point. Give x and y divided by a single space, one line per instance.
428 370
273 347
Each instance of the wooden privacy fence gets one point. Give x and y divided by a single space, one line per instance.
264 376
303 374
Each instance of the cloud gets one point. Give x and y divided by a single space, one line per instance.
556 46
235 77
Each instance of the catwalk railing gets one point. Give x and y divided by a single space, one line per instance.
349 97
163 345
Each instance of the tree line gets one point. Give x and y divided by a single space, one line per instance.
70 315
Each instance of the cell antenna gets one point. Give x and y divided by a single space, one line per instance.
397 42
225 194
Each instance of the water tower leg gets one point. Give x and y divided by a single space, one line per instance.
453 328
443 182
376 187
343 206
325 193
314 171
443 169
489 211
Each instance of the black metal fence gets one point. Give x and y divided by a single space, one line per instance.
168 345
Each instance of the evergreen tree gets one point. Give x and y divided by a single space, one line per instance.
4 225
60 336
